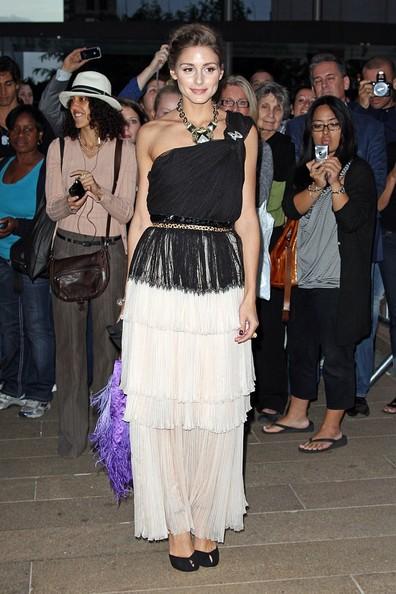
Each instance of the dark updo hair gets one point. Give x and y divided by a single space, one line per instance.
107 120
193 35
347 147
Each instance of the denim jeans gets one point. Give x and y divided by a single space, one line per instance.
364 354
11 332
39 340
388 269
26 327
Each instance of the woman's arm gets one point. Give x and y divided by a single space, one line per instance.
141 218
59 203
120 204
304 200
361 197
385 197
247 227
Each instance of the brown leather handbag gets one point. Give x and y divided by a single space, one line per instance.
284 263
84 277
81 278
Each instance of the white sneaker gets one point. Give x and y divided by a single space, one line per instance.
33 409
7 401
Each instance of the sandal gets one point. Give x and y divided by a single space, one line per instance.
333 443
389 406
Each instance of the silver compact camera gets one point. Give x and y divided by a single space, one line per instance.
321 152
381 88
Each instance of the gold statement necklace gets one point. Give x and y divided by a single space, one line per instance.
202 134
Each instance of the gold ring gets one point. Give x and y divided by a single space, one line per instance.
254 335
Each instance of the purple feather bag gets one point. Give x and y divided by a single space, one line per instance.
110 439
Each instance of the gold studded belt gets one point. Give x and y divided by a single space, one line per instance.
191 227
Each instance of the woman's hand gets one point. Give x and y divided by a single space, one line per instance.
76 203
248 321
317 172
332 170
89 183
7 226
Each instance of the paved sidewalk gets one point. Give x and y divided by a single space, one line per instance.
317 524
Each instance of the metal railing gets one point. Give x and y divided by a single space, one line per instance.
386 363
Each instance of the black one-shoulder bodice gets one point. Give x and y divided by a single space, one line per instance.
202 182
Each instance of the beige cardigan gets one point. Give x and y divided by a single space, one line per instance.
92 214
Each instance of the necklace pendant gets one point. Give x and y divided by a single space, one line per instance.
203 138
201 135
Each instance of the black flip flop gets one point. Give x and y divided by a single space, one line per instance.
288 429
335 443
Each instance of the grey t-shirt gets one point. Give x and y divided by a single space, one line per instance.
318 257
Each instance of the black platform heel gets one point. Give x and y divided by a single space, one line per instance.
208 559
185 563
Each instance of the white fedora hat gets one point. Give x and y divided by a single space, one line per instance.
90 84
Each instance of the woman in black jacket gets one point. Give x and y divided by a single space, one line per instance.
335 202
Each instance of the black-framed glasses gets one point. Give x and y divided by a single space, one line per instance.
331 126
232 102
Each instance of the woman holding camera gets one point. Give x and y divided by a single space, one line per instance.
92 126
335 202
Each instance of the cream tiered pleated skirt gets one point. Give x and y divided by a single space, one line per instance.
188 386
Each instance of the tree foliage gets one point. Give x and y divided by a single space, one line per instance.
203 10
150 10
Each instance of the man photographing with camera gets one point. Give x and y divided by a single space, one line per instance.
376 94
376 89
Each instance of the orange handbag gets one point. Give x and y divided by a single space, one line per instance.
284 263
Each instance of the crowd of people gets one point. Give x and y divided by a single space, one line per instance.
142 177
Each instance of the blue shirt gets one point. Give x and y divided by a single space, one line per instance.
131 90
17 200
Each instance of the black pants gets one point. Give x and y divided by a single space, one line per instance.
270 360
312 333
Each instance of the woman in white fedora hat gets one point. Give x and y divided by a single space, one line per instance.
89 154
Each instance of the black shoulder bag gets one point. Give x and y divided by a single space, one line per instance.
82 278
30 254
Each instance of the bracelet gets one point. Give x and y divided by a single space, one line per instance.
314 188
341 190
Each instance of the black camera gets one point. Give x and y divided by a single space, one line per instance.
381 88
77 189
92 53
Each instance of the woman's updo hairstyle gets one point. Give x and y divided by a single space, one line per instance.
194 35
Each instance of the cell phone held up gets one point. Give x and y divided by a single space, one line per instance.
321 152
76 190
91 53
